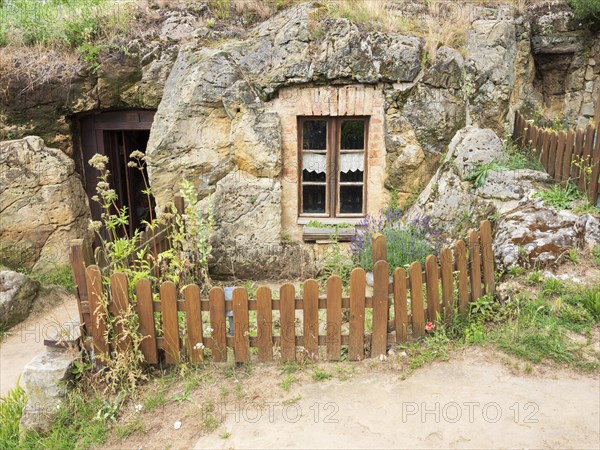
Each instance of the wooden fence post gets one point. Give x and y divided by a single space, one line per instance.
380 307
145 308
310 318
98 314
334 318
356 340
193 316
287 322
488 257
475 256
416 300
80 258
433 288
264 319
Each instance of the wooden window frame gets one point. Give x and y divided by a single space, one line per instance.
333 153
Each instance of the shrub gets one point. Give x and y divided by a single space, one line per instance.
406 240
587 10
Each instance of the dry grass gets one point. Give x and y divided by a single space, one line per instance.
36 65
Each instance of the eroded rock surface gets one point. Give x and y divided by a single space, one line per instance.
17 293
42 206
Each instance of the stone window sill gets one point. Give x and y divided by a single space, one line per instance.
323 235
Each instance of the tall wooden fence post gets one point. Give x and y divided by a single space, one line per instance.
80 257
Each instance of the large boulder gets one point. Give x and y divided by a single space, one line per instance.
17 293
247 239
43 204
453 203
535 233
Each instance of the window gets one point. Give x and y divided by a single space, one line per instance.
332 155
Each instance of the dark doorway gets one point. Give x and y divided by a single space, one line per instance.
117 134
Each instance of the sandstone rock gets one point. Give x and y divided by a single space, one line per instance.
17 293
453 204
473 146
490 70
247 241
435 115
44 382
43 204
535 233
447 69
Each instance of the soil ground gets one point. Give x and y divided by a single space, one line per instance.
25 340
475 400
479 398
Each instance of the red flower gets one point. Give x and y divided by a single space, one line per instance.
430 326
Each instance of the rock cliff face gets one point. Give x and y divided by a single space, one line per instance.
217 123
43 205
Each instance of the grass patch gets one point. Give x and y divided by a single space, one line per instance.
560 197
321 375
11 409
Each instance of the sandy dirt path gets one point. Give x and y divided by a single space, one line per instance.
474 401
26 340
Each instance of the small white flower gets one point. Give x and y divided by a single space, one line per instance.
209 330
199 346
138 407
177 425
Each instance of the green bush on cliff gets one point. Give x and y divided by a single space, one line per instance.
587 10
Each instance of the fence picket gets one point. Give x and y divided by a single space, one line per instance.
241 328
168 299
379 249
593 194
568 156
463 277
552 153
586 157
264 318
560 153
218 344
447 282
487 256
145 309
78 259
193 317
119 291
95 294
380 308
334 318
577 153
416 300
475 256
432 284
356 340
400 304
287 294
311 319
545 148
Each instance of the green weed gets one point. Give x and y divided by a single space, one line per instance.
320 375
11 409
560 197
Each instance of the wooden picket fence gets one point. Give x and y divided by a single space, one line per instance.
558 149
447 284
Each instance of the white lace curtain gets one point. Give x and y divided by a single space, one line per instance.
349 162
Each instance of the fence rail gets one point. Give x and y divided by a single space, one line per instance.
399 309
558 149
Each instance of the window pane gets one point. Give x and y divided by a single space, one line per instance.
307 175
313 199
351 199
353 135
314 135
356 176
